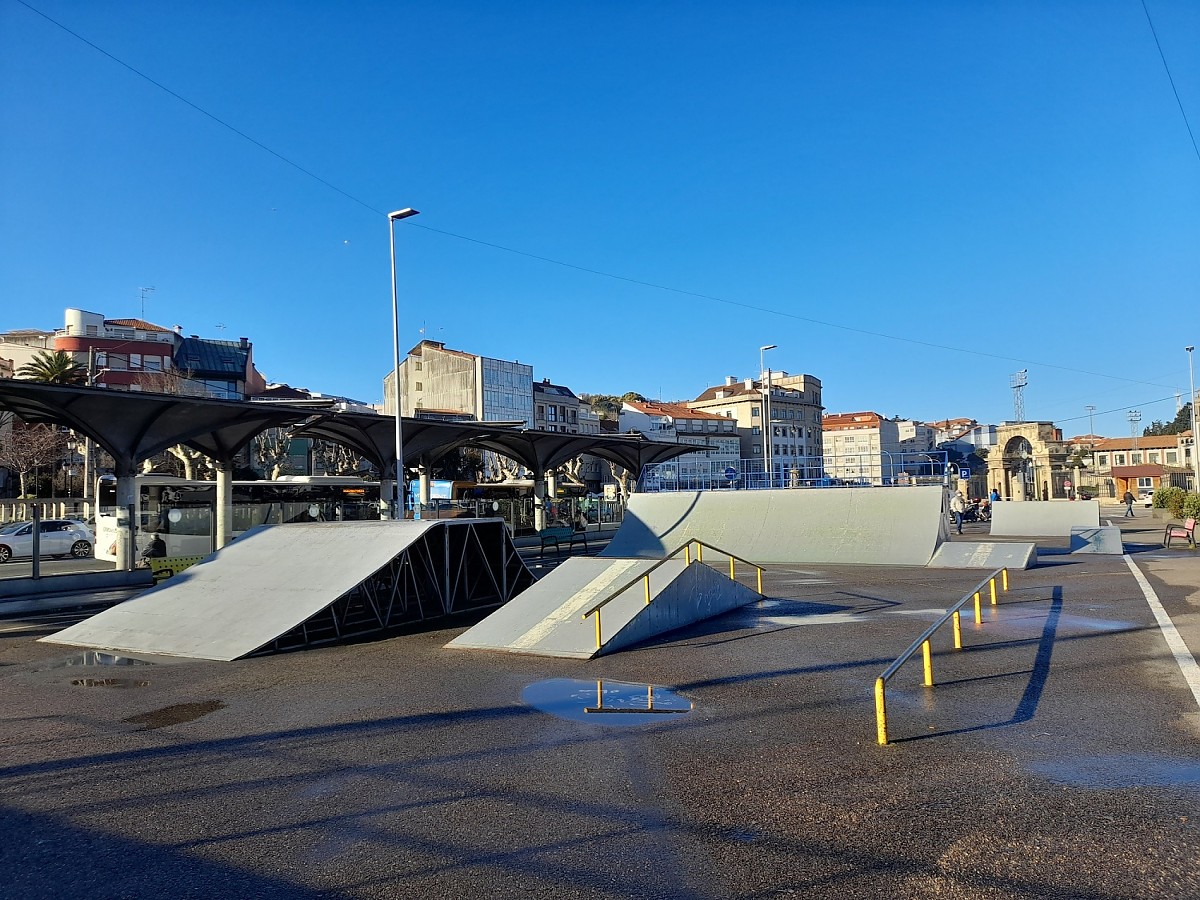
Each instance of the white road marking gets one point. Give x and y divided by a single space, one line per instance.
1183 657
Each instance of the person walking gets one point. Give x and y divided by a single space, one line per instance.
958 506
1128 501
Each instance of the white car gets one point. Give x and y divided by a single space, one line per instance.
59 537
1146 499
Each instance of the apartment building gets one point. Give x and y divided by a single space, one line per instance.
129 353
865 446
434 377
679 423
555 408
795 435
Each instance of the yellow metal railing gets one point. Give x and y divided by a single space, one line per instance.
686 550
953 615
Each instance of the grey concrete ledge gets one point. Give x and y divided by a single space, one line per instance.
20 588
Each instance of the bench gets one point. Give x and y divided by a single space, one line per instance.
557 534
163 567
1186 530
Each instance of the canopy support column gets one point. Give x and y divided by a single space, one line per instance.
224 503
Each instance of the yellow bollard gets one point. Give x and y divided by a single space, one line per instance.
599 642
687 554
1004 576
992 588
699 552
646 579
927 658
957 630
880 712
731 575
978 611
760 581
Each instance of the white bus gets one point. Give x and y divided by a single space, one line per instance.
183 513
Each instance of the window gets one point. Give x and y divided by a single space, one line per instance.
153 363
135 360
758 449
1118 459
1103 460
420 387
754 412
755 430
1154 456
1172 457
1136 457
541 411
417 364
118 361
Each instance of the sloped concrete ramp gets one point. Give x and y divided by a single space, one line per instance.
985 555
896 526
547 619
279 587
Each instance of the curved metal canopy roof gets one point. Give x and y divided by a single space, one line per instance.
135 425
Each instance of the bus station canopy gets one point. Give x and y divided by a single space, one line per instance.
136 425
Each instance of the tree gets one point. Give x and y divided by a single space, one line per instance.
28 447
1181 423
608 406
58 367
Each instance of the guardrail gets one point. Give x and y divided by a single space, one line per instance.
953 615
686 549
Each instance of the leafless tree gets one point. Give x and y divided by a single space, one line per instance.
336 459
28 447
571 471
271 449
624 479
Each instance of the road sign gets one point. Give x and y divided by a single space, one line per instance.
964 472
730 472
1067 483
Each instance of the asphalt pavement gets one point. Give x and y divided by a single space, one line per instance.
1057 756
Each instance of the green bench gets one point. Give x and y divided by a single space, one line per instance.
558 534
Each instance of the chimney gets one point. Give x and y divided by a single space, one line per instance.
749 384
195 337
243 343
730 381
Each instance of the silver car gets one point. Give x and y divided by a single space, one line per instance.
59 537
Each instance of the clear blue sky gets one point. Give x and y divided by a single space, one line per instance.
1008 178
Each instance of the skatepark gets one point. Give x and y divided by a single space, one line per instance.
732 756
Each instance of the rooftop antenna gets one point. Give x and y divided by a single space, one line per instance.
1017 382
1135 416
1091 408
144 291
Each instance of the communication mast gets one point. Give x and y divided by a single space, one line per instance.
1017 382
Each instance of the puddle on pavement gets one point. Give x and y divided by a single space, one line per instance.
1120 771
109 682
174 715
97 658
793 612
602 702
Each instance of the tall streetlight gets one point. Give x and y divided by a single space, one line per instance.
393 218
1195 443
767 429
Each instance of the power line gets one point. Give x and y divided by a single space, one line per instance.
1171 79
973 352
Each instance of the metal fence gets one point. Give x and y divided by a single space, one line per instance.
578 512
883 469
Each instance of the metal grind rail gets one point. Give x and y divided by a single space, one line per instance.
954 616
686 550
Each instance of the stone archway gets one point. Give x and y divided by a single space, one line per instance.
1029 462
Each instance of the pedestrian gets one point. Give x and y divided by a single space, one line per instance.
958 505
995 494
1128 501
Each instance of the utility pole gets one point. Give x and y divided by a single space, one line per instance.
1135 416
1017 382
1091 427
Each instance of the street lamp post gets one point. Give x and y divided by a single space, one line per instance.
767 429
1195 443
398 507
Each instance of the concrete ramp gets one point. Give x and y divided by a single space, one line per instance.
547 619
1045 518
279 587
984 555
893 526
1105 540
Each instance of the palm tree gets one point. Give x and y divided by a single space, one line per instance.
54 368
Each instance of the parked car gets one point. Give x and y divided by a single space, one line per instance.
1146 498
59 538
